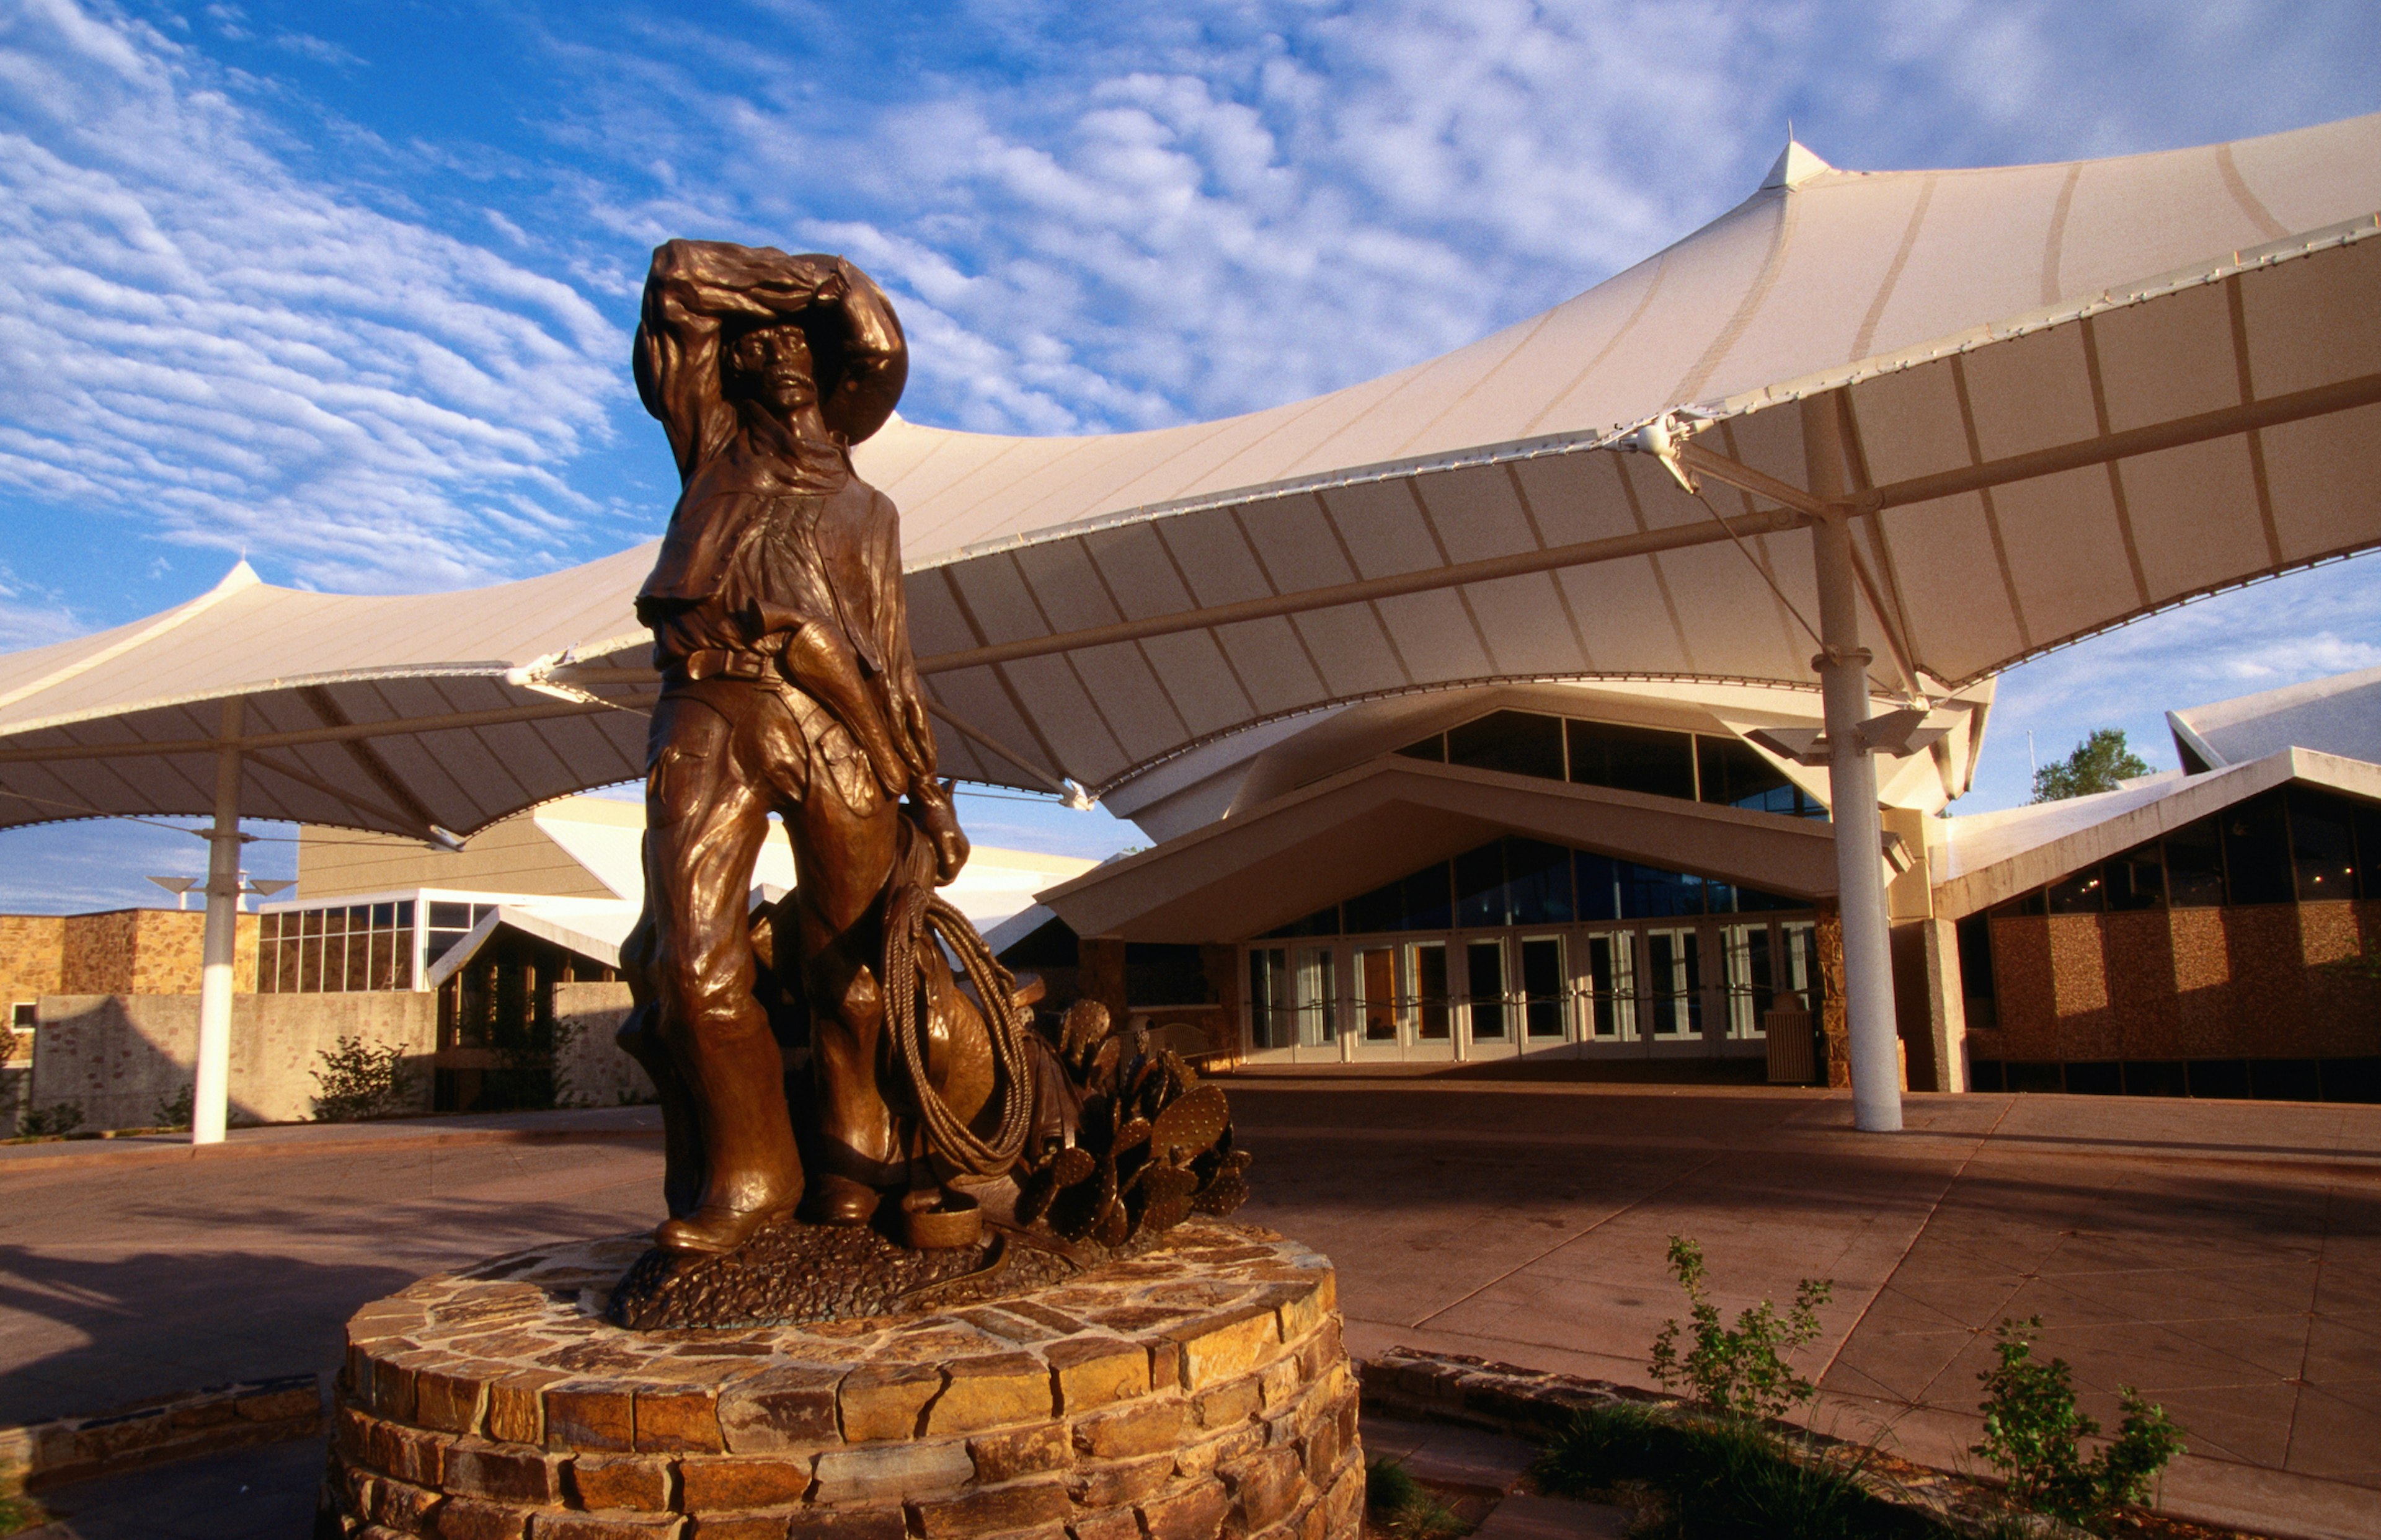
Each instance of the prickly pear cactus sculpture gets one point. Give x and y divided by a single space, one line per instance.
1142 1145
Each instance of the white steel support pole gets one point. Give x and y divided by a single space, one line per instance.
210 1088
1851 775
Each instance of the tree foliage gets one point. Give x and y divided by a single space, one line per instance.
2097 765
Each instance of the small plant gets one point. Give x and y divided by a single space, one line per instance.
1603 1445
1404 1507
58 1118
173 1111
2033 1432
1740 1369
358 1079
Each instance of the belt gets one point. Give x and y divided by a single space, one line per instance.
715 663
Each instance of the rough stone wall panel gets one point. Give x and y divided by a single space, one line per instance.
33 954
2026 987
117 1057
593 1069
950 1425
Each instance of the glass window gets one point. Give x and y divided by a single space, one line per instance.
383 959
1542 987
450 917
357 974
1484 966
1322 921
1480 887
1599 887
2136 879
310 921
1611 984
310 963
2323 843
286 965
1428 906
1537 883
1752 901
1797 974
1376 990
1318 997
1517 742
1975 937
2257 851
1634 759
2194 865
1748 991
1676 982
1271 1015
1431 747
383 916
2077 893
402 977
1652 893
1430 991
2368 850
1384 909
405 915
1733 773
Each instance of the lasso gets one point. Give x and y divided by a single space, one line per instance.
916 913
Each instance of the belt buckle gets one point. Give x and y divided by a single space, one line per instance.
742 666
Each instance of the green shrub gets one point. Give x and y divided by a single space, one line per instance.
58 1118
1404 1507
1723 1478
358 1079
1742 1368
2034 1433
173 1111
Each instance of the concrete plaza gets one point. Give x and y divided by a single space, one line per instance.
2224 1257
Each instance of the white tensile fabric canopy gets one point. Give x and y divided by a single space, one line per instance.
393 714
2073 393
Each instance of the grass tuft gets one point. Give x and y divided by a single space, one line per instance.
1722 1478
1404 1507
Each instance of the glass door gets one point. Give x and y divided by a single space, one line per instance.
1748 987
1433 1018
1545 1022
1318 1004
1273 1021
1609 984
1487 1011
1674 980
1379 1010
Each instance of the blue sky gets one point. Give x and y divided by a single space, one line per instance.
345 287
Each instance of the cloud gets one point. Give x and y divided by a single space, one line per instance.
31 615
1148 215
198 340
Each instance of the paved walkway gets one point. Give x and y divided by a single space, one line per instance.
2224 1257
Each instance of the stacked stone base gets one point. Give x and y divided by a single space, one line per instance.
1199 1390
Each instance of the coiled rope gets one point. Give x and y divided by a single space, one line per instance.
915 916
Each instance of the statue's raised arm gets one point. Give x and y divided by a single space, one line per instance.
697 291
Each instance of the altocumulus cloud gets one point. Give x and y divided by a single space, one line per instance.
1125 215
198 340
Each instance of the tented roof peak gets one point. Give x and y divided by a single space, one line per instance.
1795 165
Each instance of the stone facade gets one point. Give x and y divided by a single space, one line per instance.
119 1057
121 951
589 1067
1199 1390
33 955
2245 982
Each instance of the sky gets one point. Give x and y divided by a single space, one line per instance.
345 288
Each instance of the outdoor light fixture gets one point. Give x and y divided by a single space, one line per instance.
179 888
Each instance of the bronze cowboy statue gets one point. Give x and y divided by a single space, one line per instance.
788 688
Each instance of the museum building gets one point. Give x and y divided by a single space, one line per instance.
1598 886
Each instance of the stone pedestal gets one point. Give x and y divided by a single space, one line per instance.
1199 1389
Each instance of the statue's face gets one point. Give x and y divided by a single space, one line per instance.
771 366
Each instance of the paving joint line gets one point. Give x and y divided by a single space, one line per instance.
1625 1208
